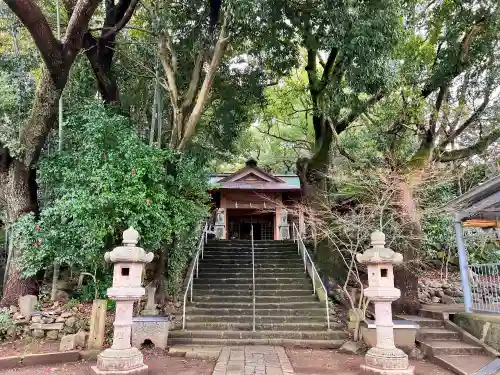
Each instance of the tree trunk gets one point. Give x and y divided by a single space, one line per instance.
407 281
20 195
20 190
312 171
405 277
160 280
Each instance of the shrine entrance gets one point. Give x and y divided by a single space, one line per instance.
241 221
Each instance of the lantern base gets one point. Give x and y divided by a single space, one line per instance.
367 370
386 361
120 362
138 371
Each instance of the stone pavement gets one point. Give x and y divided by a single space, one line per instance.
253 360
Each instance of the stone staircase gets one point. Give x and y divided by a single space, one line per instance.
287 313
446 345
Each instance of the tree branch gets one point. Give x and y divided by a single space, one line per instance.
328 68
336 139
306 145
355 113
195 115
33 19
77 25
194 82
435 113
438 79
477 148
170 68
122 22
311 72
471 120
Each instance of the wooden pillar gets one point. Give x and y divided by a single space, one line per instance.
97 324
302 223
277 217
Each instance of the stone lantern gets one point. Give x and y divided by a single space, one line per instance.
384 358
129 262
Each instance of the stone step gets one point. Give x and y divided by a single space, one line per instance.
258 305
303 312
244 248
259 326
261 253
463 364
269 267
434 348
437 334
306 292
236 274
423 322
248 263
289 343
249 281
249 299
297 335
248 258
203 288
256 249
427 313
271 319
222 243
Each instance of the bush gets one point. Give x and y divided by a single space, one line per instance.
105 180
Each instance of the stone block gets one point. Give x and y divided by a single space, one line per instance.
53 335
81 338
70 322
153 328
47 327
68 343
27 305
353 347
38 333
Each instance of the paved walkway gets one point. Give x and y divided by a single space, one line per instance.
253 360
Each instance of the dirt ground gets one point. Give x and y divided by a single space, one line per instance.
27 345
304 362
161 365
323 362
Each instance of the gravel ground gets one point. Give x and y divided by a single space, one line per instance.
327 362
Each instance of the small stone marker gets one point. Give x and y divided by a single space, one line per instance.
150 309
27 305
129 262
384 358
68 343
97 324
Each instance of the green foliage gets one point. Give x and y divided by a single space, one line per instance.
105 180
179 258
5 323
87 291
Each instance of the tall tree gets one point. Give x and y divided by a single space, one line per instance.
18 155
100 50
219 43
423 76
